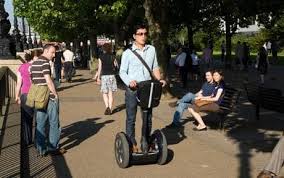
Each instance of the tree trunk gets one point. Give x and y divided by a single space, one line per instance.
122 30
190 35
228 43
94 45
158 30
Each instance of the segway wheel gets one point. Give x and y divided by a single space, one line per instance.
121 148
160 143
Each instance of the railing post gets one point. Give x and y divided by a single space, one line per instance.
7 87
2 86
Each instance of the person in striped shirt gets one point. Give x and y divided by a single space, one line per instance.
41 75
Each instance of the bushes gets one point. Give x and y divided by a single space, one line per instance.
254 41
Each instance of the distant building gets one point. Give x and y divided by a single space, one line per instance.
252 28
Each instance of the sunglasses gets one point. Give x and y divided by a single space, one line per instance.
140 34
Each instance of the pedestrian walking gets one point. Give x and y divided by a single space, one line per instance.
68 56
262 63
106 76
22 89
41 75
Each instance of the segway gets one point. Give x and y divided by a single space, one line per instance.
157 148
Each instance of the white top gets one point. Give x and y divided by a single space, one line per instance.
268 45
195 59
68 55
180 60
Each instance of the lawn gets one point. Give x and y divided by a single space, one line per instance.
217 55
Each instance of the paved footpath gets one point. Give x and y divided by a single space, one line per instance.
88 135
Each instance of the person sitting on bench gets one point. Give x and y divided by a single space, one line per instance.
213 101
182 104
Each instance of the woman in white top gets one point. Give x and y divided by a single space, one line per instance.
195 64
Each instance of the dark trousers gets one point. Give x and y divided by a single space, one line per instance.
68 66
223 55
27 114
274 56
57 71
131 110
183 73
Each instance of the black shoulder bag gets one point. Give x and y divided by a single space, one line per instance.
148 92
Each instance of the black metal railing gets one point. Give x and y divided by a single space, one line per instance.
3 88
7 87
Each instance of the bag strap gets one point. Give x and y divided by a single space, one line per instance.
144 63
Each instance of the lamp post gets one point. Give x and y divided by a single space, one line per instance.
5 26
24 37
89 49
30 38
17 36
39 43
35 40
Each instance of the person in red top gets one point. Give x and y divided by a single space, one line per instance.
22 89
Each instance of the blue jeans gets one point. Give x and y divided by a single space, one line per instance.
183 103
131 110
52 114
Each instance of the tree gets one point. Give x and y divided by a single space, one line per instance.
119 16
234 13
158 28
196 16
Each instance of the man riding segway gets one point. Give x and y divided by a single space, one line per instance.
140 72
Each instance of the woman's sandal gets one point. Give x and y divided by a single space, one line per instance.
203 129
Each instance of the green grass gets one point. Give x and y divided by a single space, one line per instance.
217 55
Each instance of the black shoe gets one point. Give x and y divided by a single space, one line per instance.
144 145
173 126
107 111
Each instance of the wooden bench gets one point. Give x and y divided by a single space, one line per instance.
267 98
228 105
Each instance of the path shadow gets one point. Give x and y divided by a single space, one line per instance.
175 135
78 75
253 135
118 108
80 80
74 85
249 134
78 132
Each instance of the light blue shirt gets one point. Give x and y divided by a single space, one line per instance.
132 69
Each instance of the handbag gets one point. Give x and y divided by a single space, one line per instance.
38 96
200 103
149 92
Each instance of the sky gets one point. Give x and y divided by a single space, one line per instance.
9 9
